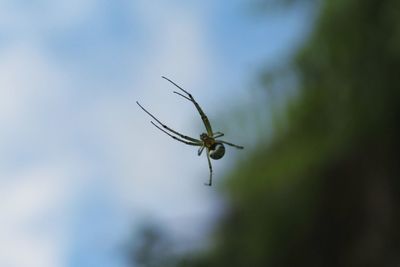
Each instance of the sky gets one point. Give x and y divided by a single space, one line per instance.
81 167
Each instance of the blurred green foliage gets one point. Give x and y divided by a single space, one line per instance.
326 191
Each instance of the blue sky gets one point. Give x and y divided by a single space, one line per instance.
80 164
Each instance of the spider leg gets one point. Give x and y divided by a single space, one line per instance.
166 127
175 92
210 167
218 134
230 144
176 138
191 99
200 150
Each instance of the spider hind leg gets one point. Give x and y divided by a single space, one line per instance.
210 168
230 144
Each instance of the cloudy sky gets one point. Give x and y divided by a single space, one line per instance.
80 164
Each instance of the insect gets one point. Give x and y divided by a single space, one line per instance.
215 148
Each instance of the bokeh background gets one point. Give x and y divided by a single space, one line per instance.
310 88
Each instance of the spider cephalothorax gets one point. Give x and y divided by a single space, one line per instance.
215 148
208 141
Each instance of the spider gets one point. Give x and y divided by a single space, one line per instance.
215 148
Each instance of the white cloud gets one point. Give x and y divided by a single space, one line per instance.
148 172
179 44
32 229
34 193
26 78
21 19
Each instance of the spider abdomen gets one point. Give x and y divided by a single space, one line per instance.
218 151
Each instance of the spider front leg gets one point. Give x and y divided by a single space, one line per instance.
176 138
189 97
168 128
